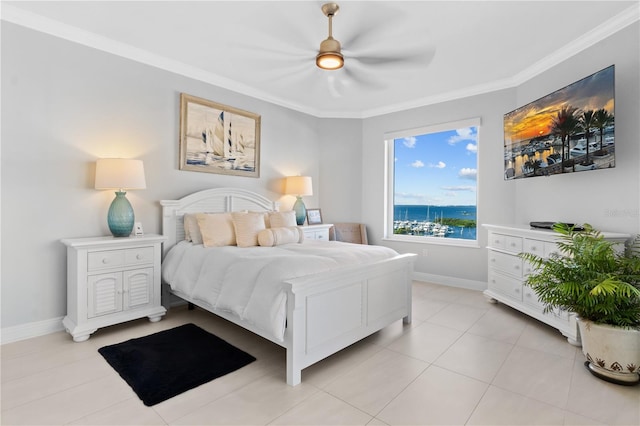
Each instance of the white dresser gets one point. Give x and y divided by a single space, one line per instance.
507 272
111 280
317 232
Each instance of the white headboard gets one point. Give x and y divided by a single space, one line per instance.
217 200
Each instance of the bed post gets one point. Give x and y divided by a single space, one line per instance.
295 340
409 283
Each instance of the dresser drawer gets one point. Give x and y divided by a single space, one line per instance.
508 286
497 241
505 242
540 248
99 260
138 256
531 298
105 259
507 263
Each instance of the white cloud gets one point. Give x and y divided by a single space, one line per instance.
440 165
467 173
465 134
409 142
472 147
417 164
460 188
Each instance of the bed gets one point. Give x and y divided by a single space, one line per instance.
325 311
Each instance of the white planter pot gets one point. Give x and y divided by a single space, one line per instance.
613 353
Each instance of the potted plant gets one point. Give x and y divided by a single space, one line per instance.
601 285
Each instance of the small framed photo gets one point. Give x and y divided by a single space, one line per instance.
314 216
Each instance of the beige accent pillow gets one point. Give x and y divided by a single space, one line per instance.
266 217
216 229
247 227
283 235
282 219
191 228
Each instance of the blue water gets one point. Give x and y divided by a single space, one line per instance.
433 213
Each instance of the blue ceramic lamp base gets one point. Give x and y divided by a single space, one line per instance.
120 217
301 211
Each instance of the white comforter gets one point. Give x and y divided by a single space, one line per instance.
248 281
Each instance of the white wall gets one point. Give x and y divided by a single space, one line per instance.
64 105
607 199
340 169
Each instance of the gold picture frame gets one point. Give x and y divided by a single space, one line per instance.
216 138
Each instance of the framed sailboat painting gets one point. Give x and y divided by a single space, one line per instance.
216 138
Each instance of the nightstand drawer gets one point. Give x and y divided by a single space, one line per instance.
138 256
317 232
98 260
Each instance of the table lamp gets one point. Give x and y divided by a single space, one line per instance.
120 174
298 186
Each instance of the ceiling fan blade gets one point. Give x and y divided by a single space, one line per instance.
365 32
418 59
332 84
274 53
362 78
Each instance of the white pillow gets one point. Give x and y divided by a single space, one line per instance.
216 229
283 235
282 219
191 228
247 227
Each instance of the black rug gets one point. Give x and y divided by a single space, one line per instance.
165 364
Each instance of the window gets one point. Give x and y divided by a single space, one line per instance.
432 184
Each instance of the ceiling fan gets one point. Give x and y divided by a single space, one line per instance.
376 49
331 57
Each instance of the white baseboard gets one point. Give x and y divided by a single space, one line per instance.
32 329
450 281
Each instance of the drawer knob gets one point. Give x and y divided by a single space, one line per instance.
139 257
517 267
105 260
517 290
513 244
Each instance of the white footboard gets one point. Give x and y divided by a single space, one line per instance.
331 311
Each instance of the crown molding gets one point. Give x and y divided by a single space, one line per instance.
58 29
39 23
599 33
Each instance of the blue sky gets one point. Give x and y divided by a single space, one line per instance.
437 168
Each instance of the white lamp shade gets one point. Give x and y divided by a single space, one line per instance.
119 173
298 185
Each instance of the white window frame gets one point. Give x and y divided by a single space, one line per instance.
390 183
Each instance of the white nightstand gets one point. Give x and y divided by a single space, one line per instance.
111 280
317 232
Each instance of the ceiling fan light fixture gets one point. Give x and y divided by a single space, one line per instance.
330 61
329 57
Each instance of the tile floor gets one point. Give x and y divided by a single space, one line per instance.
461 361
